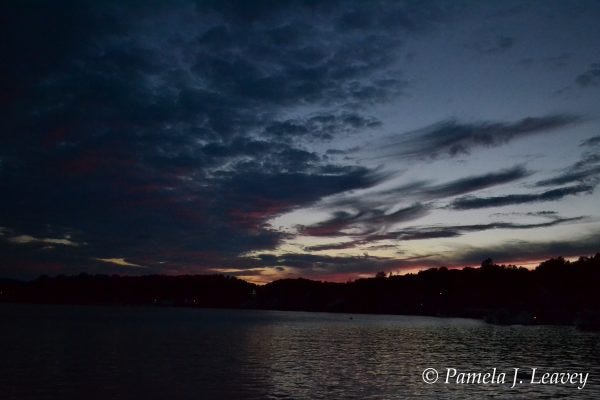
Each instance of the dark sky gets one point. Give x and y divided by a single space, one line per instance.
268 139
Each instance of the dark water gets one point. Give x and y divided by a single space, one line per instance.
72 352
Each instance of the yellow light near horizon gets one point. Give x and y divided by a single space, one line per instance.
120 262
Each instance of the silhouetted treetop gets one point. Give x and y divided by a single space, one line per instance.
557 291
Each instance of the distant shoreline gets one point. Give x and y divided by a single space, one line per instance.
557 292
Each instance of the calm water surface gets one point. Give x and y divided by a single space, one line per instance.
78 352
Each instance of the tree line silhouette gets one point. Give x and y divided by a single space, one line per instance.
558 291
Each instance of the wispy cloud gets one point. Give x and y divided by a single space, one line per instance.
370 216
571 176
492 45
120 262
452 138
365 221
471 202
27 239
591 142
591 77
423 232
430 232
426 190
475 182
584 171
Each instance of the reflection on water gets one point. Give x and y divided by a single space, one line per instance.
70 352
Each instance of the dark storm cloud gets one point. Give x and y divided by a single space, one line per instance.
170 133
469 202
591 77
452 138
295 187
299 52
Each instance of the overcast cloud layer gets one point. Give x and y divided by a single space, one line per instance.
271 139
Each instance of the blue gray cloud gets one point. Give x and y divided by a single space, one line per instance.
171 134
453 138
472 202
591 77
167 133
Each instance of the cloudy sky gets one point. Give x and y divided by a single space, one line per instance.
269 139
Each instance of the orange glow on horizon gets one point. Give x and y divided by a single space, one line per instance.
342 277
